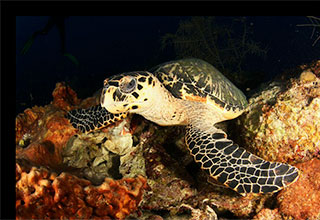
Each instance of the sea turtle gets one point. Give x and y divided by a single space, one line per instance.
193 93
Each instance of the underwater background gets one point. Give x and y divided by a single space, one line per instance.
83 51
136 169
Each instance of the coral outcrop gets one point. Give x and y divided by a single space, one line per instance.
302 200
280 122
44 137
41 132
268 214
170 185
41 194
107 153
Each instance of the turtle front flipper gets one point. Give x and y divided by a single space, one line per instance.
93 118
234 166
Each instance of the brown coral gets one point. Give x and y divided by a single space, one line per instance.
64 97
47 134
27 121
42 132
302 199
41 194
117 197
31 121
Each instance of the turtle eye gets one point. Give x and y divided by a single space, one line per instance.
128 85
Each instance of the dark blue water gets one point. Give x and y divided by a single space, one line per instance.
109 45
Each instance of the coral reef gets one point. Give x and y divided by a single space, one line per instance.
41 132
302 200
44 137
198 214
127 149
41 194
224 200
170 184
116 198
268 214
64 97
313 67
107 153
279 124
136 169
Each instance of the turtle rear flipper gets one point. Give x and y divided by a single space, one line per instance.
234 166
93 118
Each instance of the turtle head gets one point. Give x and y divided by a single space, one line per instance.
128 92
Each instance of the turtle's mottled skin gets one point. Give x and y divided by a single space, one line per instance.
93 118
190 92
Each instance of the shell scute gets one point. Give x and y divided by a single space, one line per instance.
197 80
